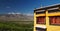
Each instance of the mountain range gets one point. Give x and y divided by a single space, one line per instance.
16 17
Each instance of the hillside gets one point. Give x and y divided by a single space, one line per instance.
15 17
16 22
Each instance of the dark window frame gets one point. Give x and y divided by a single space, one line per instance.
55 10
43 12
41 22
41 29
55 22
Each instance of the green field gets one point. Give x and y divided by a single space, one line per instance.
16 26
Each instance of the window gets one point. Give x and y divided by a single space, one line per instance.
55 10
55 20
41 20
40 12
40 29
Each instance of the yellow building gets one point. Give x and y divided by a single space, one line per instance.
47 18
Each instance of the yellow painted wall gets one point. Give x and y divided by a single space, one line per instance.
40 15
49 27
54 14
34 21
52 27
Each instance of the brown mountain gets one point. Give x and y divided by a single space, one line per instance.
15 17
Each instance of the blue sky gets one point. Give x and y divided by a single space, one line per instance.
24 6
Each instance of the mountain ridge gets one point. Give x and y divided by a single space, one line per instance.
16 17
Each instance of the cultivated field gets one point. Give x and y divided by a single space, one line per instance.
16 26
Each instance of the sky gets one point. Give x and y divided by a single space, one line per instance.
24 6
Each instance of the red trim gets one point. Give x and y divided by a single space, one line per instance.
55 20
40 20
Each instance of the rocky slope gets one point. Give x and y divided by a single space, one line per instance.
15 17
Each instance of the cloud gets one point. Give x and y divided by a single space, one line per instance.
21 13
28 14
13 13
